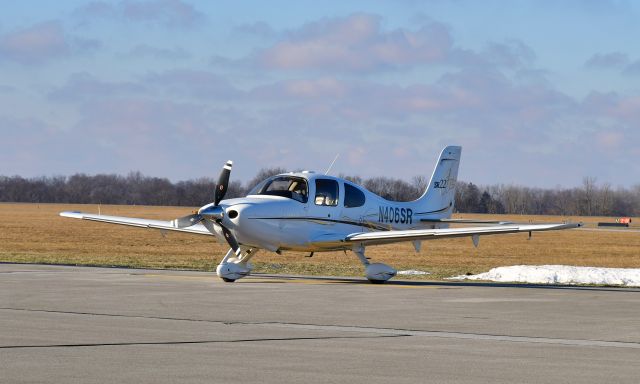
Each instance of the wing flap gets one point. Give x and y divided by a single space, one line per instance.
466 221
198 229
387 237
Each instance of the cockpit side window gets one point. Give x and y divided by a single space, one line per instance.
326 192
286 186
353 197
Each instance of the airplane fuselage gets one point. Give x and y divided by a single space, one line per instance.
320 217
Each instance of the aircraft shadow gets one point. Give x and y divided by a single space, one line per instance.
444 284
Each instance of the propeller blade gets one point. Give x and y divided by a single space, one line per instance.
186 221
231 240
223 183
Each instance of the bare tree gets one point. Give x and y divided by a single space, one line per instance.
263 174
588 195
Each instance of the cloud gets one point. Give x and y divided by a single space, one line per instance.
37 43
258 28
611 127
465 94
610 140
144 50
162 136
615 60
31 147
7 89
509 54
81 45
356 43
42 42
359 43
621 108
327 87
632 69
484 110
83 86
174 84
301 100
196 84
171 13
156 121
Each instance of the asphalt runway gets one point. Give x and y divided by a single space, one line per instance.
98 325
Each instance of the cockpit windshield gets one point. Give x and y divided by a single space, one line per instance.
286 186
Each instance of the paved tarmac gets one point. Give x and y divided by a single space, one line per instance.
100 325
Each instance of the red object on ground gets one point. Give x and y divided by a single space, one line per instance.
624 220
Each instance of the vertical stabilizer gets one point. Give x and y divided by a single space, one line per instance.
438 200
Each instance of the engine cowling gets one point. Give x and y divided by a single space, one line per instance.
379 272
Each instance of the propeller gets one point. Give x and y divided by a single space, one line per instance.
231 240
213 211
223 183
186 221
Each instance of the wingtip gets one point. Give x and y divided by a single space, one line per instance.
72 214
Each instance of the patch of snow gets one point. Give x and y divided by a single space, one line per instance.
559 274
413 272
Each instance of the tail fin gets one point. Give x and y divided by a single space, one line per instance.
437 201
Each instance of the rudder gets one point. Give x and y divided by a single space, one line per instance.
439 197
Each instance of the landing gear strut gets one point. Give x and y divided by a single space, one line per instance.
377 273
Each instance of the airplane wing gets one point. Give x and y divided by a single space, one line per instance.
198 229
386 237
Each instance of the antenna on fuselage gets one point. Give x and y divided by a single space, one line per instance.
333 162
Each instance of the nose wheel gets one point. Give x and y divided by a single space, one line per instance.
235 265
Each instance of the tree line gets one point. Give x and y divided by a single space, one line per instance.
589 199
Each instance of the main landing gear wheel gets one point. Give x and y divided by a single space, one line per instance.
226 280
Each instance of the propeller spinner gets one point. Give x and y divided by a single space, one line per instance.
214 211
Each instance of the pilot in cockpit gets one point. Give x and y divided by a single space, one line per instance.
299 191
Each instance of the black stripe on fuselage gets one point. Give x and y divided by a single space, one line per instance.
366 224
432 212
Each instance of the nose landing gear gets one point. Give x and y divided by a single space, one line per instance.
376 273
233 268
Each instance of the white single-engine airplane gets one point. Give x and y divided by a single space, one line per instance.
313 212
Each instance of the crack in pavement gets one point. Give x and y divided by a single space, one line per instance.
380 331
133 343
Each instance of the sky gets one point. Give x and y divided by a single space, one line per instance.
538 93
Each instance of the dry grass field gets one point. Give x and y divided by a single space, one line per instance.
34 233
